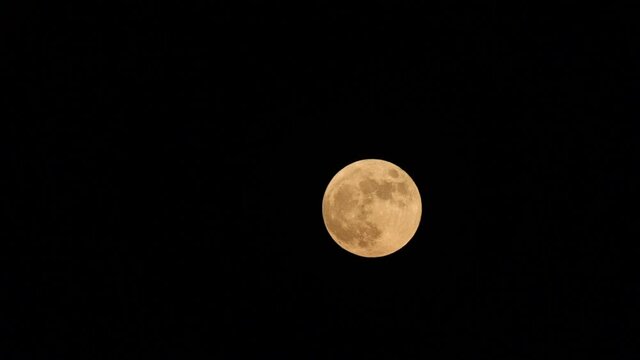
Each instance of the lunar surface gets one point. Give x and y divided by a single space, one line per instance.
372 208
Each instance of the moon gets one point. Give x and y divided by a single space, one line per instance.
372 208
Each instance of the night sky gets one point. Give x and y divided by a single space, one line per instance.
165 165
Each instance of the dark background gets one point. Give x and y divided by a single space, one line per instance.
165 165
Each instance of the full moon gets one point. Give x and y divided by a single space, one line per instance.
371 208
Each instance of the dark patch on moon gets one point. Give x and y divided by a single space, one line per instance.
345 198
402 188
384 190
368 186
399 203
363 210
368 233
393 173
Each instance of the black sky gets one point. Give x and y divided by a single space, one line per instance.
166 162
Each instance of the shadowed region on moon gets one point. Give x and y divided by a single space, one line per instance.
371 208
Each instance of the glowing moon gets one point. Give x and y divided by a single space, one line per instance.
372 208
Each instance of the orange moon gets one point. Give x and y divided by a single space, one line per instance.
372 208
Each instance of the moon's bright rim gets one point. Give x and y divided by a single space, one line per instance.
372 208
